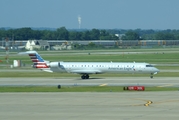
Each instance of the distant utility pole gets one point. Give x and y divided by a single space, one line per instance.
7 50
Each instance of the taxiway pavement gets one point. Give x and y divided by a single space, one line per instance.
108 81
90 106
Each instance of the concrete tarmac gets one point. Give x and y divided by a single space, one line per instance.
133 105
90 106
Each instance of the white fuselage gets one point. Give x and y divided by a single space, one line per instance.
86 68
103 67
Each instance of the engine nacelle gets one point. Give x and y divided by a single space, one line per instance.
54 64
39 65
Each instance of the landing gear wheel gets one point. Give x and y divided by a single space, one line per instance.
82 77
85 76
151 76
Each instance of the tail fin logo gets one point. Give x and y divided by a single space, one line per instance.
36 58
38 61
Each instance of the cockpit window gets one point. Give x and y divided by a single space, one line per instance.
149 66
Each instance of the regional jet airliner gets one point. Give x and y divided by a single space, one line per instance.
87 68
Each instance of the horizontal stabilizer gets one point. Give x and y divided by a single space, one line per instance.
27 52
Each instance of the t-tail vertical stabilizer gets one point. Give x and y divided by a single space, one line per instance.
38 61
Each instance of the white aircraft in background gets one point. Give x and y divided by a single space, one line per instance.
87 68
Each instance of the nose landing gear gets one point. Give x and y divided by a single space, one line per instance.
151 75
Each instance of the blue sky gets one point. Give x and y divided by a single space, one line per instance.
99 14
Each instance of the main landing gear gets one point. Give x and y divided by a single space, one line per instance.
85 76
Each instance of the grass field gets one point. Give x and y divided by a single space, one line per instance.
150 56
79 89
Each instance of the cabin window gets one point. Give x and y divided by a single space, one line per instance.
149 66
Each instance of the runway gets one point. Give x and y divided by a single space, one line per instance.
90 105
76 81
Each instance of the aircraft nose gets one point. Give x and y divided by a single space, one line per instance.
156 70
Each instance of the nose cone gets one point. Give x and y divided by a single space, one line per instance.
156 70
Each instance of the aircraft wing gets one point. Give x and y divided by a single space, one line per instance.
47 70
86 71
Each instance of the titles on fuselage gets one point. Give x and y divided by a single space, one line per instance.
109 67
121 68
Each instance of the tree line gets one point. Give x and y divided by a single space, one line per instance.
139 34
62 33
59 34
